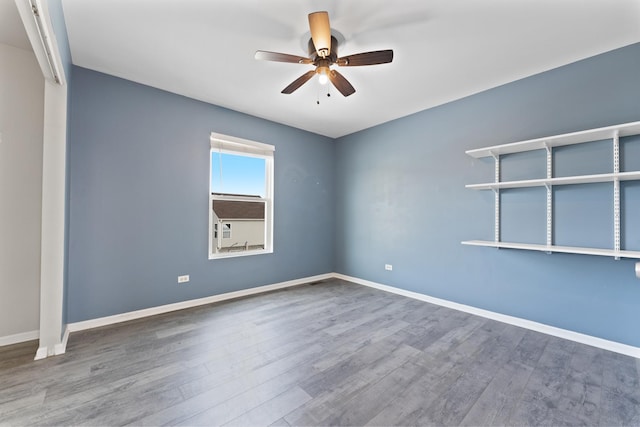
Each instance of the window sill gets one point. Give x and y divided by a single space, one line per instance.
239 254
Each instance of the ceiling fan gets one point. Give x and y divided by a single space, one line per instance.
323 53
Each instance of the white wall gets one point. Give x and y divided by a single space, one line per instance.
21 128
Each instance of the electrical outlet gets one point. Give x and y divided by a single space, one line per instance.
183 279
388 267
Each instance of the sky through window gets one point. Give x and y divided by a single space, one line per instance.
240 174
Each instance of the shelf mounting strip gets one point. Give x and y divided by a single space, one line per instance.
496 192
616 195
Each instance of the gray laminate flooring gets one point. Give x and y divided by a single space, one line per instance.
332 353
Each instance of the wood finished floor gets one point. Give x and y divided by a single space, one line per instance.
332 353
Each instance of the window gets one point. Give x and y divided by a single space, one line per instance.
240 197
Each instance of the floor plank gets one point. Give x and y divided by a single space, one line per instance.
331 353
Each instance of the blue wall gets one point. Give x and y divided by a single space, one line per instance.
401 200
139 173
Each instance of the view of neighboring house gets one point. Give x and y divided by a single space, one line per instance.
238 225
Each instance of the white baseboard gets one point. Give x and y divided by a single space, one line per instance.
55 350
132 315
61 347
516 321
42 353
18 338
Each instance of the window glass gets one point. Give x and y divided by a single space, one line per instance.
237 174
241 197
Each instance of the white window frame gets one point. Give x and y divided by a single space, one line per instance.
243 147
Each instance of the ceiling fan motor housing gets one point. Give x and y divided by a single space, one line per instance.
332 57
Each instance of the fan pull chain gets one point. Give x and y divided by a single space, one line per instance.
318 94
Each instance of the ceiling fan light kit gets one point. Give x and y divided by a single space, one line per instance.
323 53
323 75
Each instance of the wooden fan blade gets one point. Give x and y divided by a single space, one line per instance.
281 57
342 84
320 33
366 58
299 82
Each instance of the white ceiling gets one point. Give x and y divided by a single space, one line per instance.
444 50
12 32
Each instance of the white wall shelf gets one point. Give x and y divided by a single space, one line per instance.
611 132
554 248
581 137
565 180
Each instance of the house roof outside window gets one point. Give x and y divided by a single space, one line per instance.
233 209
